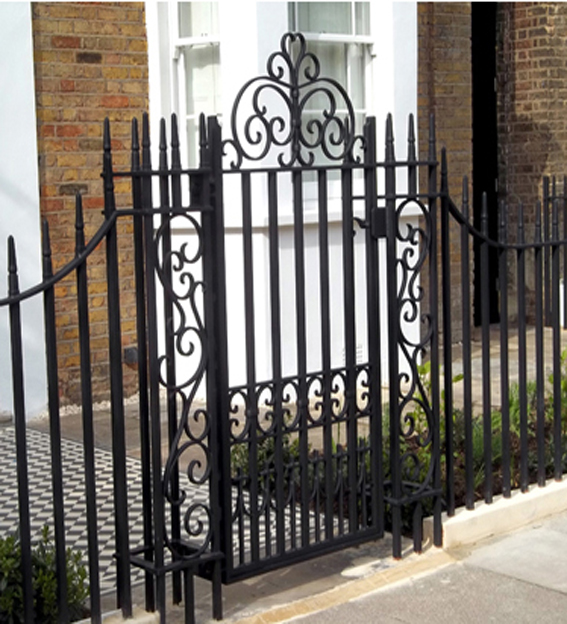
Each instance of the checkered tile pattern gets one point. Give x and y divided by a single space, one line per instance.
41 502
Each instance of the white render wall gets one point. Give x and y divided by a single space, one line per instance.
19 200
392 80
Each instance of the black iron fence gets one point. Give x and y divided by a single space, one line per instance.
315 434
505 420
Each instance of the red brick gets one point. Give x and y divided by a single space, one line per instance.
65 41
70 131
115 101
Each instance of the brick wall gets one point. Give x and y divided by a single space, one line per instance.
532 88
445 90
90 63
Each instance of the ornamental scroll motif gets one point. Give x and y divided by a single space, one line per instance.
176 270
294 108
417 421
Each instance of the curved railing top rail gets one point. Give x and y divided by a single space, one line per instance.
481 237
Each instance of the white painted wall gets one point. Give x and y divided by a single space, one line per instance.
19 200
250 31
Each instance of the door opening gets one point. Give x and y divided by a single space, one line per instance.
485 145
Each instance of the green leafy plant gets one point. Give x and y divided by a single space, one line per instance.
44 581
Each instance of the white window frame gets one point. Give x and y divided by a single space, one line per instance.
178 71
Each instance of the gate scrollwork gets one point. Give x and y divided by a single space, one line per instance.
415 408
186 331
278 110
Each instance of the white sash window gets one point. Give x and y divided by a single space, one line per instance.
338 33
196 79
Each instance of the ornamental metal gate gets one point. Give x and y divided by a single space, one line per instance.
291 280
331 314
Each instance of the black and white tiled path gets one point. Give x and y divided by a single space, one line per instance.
41 503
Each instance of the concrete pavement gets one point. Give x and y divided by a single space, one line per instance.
519 577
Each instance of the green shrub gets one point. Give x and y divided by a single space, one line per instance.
44 581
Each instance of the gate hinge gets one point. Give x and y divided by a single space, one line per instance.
378 222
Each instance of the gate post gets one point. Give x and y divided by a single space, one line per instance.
217 356
373 313
434 320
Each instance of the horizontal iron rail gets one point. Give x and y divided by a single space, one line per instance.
290 378
406 499
251 569
402 164
398 164
159 173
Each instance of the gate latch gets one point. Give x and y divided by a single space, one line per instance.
378 222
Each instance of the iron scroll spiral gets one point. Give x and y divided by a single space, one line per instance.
278 103
415 407
175 271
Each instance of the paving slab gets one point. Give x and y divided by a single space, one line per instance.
537 556
520 577
457 594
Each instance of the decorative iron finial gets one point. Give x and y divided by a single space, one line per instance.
292 107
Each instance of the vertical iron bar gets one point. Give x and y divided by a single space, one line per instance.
522 354
87 415
212 300
219 400
412 159
275 310
434 344
164 175
54 431
485 316
350 342
393 338
153 370
504 364
563 321
20 431
189 596
324 288
539 320
250 327
301 344
373 315
557 407
143 407
467 366
122 540
447 339
547 201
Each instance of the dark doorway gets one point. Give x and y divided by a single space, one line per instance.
485 143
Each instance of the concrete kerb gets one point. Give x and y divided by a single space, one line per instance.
413 566
139 616
502 516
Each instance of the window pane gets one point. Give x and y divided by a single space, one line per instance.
325 17
192 142
362 12
202 79
333 65
345 63
291 16
198 19
356 58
